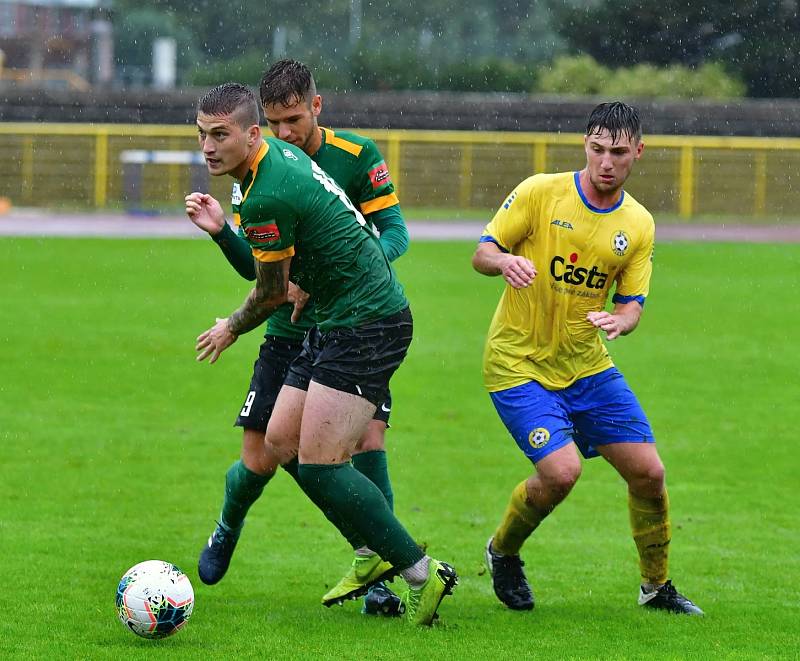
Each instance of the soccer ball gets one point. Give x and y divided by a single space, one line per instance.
154 599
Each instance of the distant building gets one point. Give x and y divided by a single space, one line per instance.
66 43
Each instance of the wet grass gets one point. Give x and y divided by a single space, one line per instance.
114 444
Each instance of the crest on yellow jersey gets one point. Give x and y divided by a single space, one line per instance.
620 243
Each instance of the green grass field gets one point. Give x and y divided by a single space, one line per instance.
114 443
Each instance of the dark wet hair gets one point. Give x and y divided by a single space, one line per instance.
231 99
287 82
617 118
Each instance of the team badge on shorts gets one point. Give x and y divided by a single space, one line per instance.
538 437
620 243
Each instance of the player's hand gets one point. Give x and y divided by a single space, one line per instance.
605 321
214 341
517 271
299 298
205 212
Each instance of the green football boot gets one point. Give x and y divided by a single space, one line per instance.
364 573
421 604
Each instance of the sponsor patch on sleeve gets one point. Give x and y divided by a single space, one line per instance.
268 233
379 175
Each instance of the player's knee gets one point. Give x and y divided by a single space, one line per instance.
560 479
654 475
260 458
649 480
280 446
657 474
373 439
369 445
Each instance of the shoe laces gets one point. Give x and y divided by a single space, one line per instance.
668 589
410 600
671 593
360 564
380 589
224 536
510 562
507 561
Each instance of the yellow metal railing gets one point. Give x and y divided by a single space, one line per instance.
749 178
66 76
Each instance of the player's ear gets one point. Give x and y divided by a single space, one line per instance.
639 150
316 105
253 134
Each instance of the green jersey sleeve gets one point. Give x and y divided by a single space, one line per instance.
269 226
237 251
376 191
393 232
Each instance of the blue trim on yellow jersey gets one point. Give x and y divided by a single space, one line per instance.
619 298
491 239
590 206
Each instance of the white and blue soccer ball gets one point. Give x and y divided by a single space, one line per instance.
154 599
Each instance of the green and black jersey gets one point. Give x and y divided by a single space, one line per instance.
289 207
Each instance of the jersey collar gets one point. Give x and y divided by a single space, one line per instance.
262 152
325 135
591 206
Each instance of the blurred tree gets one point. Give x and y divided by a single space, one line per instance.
486 45
135 30
432 37
578 74
757 40
582 74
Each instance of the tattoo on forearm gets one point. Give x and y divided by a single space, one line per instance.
268 294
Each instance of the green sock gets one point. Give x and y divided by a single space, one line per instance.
373 465
356 499
242 489
353 538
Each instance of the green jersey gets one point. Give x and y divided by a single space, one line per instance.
356 164
289 207
280 322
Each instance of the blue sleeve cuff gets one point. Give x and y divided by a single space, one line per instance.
490 239
618 298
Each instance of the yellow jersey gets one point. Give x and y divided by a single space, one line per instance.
540 333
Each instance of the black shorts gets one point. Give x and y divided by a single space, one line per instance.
269 372
357 360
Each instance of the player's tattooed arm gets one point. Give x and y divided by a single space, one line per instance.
271 291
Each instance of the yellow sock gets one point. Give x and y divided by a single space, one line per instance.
519 521
651 532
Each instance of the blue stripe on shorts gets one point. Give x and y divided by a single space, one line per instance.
596 410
